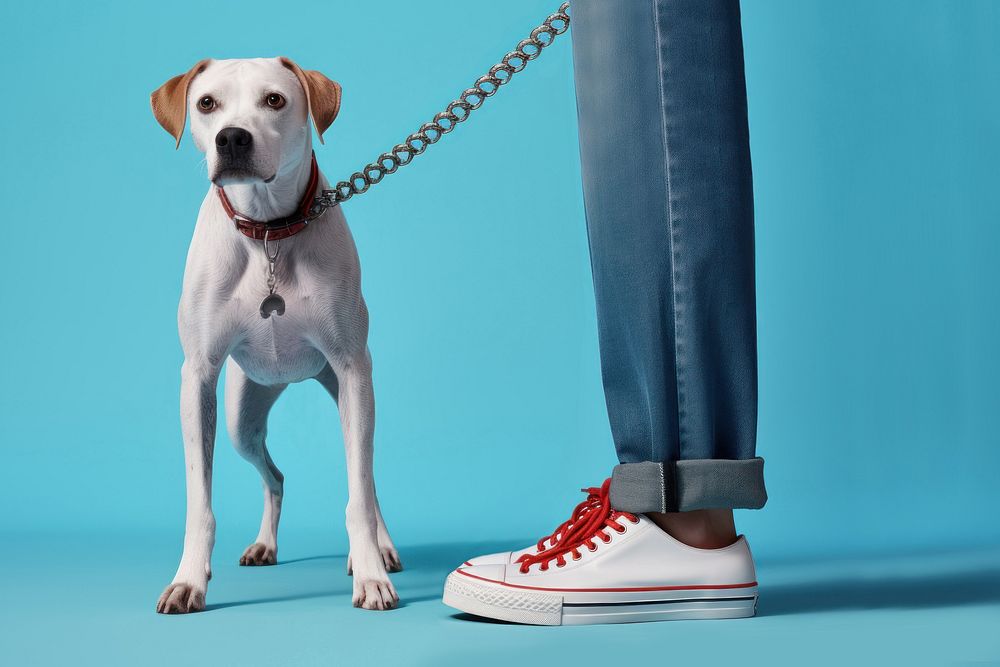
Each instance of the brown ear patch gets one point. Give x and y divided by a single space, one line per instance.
322 95
169 101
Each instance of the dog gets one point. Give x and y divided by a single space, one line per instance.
274 292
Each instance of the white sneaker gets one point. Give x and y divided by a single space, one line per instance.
606 566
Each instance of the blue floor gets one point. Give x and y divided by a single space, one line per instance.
82 601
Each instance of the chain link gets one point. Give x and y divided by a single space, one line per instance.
272 259
456 112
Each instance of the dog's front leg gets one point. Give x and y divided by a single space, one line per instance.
186 593
356 400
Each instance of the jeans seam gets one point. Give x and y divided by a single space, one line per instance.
673 236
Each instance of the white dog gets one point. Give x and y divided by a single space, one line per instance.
275 293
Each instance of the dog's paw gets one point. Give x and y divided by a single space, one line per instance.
390 559
181 598
259 554
374 593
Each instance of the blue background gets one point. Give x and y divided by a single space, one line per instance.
874 131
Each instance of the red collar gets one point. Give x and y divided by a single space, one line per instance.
281 228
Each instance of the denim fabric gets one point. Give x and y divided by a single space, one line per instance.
664 144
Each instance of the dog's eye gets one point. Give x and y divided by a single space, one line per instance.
206 103
274 100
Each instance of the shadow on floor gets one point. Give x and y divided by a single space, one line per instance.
914 592
306 559
274 599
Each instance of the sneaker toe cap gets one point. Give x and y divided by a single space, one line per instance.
489 572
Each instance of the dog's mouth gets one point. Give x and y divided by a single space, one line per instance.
238 175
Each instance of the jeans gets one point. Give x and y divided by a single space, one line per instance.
664 145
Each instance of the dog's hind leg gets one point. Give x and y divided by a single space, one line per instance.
247 407
390 556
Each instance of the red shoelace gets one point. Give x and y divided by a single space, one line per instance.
590 520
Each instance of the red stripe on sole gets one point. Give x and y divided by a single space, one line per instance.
702 587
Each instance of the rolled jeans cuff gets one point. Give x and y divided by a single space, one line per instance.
682 486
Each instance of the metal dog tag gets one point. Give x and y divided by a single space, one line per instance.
272 303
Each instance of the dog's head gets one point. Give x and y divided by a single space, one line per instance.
249 117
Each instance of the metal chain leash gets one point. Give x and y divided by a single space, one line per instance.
457 112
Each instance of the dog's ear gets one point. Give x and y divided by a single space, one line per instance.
322 95
169 101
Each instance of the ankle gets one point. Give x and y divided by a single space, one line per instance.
702 529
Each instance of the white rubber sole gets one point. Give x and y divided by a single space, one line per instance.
544 607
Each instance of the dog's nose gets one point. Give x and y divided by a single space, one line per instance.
233 142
